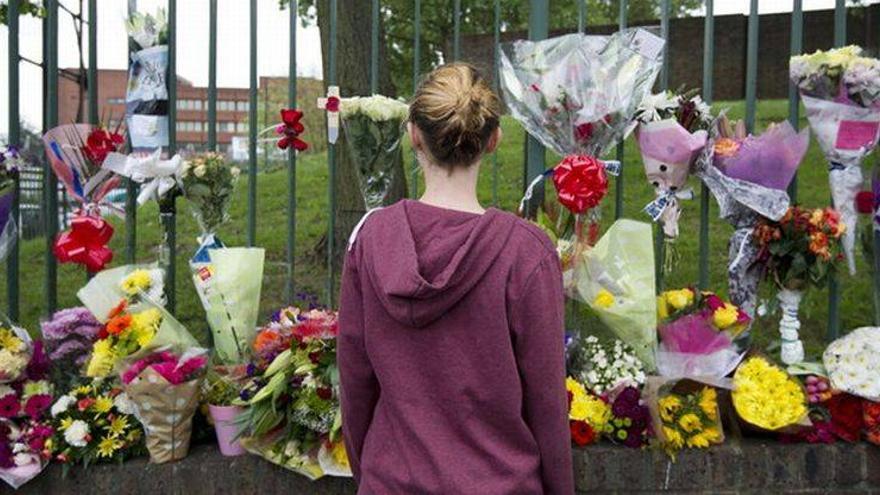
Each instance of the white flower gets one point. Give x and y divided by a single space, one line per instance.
23 459
62 404
76 433
123 404
377 107
853 363
658 106
199 171
235 171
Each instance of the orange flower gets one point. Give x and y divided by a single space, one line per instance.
265 339
118 324
118 309
726 147
818 242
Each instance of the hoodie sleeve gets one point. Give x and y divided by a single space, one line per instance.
537 320
360 388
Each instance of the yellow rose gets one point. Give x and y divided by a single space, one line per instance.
680 299
725 316
604 299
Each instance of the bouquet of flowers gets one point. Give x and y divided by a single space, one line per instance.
767 397
93 423
616 278
164 387
605 366
16 350
630 424
840 89
147 95
871 416
207 182
133 284
578 95
687 415
749 175
69 336
671 134
588 414
373 128
220 393
24 429
799 250
853 363
11 163
697 332
292 416
619 416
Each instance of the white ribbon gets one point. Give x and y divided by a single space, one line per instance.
156 176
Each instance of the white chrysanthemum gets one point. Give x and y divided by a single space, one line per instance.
377 108
62 404
76 433
123 404
657 106
853 363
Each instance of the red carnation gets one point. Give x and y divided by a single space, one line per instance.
332 104
582 433
865 202
580 182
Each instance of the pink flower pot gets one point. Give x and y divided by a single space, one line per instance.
226 429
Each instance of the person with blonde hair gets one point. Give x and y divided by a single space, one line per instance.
450 348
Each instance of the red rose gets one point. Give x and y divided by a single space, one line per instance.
846 416
582 433
332 104
325 393
865 202
99 143
583 132
580 182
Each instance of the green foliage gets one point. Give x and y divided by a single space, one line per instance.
25 7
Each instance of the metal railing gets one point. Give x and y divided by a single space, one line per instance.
538 28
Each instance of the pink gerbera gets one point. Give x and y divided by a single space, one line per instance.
36 405
9 406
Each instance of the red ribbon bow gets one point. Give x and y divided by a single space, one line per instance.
85 243
290 129
580 182
99 143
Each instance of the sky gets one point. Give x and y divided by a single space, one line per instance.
232 43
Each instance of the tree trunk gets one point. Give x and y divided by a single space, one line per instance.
353 47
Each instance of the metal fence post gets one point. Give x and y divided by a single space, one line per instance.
374 49
582 15
14 139
833 330
50 188
708 68
252 133
131 189
496 31
659 235
93 62
331 162
212 75
456 28
291 161
168 205
797 46
539 27
618 185
417 42
752 66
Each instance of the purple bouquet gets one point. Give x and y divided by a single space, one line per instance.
68 337
631 419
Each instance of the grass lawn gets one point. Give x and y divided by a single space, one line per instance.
856 304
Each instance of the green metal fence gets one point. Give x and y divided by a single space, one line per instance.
534 162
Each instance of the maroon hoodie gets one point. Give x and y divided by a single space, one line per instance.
451 355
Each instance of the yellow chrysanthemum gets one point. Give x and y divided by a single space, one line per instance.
726 316
10 341
604 299
680 299
673 437
65 423
102 404
118 426
133 436
712 434
709 403
669 405
690 422
766 396
662 307
108 446
102 360
138 280
699 441
82 390
340 456
575 388
144 325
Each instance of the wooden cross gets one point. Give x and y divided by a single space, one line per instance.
330 104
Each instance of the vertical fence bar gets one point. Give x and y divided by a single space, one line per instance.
456 27
708 68
417 52
495 84
93 62
374 49
752 66
168 205
797 46
833 330
50 188
539 27
131 190
659 236
331 164
252 134
618 185
582 15
212 76
14 139
290 285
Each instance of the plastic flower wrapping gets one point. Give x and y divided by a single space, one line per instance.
578 95
95 422
767 397
292 416
68 337
853 363
146 97
11 163
671 134
374 127
619 416
616 278
748 176
697 332
834 414
164 388
685 414
605 366
840 89
25 430
76 153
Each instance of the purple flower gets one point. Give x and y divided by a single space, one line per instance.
36 405
6 456
38 367
68 347
9 406
251 369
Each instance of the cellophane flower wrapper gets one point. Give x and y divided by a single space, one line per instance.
374 128
847 133
231 298
658 387
767 398
622 264
853 363
103 291
690 347
668 150
11 163
165 409
741 203
82 181
14 362
287 454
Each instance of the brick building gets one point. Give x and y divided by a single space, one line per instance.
192 107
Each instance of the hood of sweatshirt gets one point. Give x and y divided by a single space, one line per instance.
421 259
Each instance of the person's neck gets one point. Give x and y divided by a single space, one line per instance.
454 191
